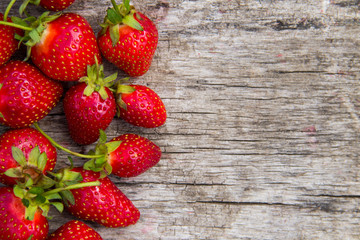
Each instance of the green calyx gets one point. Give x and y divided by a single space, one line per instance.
101 164
96 80
122 14
120 89
30 171
35 198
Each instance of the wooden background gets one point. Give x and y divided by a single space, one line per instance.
262 135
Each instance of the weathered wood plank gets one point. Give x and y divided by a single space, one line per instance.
262 137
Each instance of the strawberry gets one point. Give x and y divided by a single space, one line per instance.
14 221
28 153
8 43
128 39
104 204
128 155
90 106
51 5
140 106
55 5
75 230
60 45
26 95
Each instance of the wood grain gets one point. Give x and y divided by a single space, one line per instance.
262 136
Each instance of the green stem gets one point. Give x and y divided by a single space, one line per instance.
55 144
8 8
16 25
70 187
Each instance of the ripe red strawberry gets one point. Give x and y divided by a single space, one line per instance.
104 204
14 223
128 155
89 106
141 107
61 46
26 140
51 5
56 5
128 39
75 230
8 43
26 95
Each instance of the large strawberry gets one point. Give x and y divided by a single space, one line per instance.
75 229
128 39
128 155
140 106
104 204
60 45
15 222
90 106
8 43
26 95
27 153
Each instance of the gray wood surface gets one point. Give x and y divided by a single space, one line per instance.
262 135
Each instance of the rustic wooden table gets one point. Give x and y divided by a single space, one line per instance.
262 135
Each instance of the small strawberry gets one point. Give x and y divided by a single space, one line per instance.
90 106
51 5
26 95
128 155
15 222
140 106
128 39
60 45
27 153
75 230
55 5
104 204
8 43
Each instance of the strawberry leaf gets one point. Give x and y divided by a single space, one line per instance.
18 155
108 168
30 212
41 162
126 4
132 22
59 206
45 208
19 192
54 196
39 199
34 35
26 202
29 182
88 90
68 197
45 182
36 190
103 93
114 34
103 137
125 89
34 156
113 16
13 172
112 146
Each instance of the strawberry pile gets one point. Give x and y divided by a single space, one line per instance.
62 47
